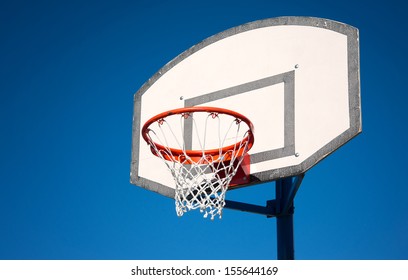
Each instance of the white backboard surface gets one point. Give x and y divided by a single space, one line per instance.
296 79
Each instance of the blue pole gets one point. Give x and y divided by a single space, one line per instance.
282 208
284 221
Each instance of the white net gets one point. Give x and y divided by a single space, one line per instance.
203 151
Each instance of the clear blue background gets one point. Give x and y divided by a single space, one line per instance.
68 72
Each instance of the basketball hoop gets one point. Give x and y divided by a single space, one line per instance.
203 147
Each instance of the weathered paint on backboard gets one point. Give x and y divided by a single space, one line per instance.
296 78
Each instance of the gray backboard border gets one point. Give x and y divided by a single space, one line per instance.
354 97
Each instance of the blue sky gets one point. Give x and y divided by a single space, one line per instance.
68 72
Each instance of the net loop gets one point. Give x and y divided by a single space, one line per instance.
161 121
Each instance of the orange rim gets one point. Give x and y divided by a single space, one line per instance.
197 155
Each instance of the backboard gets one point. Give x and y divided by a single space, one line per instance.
296 79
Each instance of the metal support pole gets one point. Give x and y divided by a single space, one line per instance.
282 208
284 220
286 249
